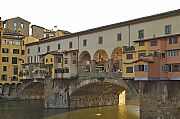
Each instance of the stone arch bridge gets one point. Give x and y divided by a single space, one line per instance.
26 89
67 93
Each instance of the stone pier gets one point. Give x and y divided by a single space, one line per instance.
159 99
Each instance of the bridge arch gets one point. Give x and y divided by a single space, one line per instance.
84 56
33 90
100 55
12 89
116 57
98 92
6 89
1 89
118 82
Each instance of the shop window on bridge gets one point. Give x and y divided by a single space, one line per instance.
154 43
4 77
173 40
59 59
129 56
129 69
175 67
165 68
58 70
141 68
14 78
66 70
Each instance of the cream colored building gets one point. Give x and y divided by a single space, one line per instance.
101 48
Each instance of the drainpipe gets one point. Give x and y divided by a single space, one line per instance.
129 29
78 58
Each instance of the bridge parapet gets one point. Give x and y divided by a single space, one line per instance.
100 75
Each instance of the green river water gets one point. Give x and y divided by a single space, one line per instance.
36 110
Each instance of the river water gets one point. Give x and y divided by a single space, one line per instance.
36 110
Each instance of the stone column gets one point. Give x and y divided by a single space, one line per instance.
93 65
110 65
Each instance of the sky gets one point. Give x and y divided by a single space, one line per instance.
79 15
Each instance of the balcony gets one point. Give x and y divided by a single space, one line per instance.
128 49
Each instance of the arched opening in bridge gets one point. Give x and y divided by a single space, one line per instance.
101 58
6 89
98 94
1 89
35 90
116 57
84 61
12 90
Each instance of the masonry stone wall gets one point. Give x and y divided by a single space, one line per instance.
159 99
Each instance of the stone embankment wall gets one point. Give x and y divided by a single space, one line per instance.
159 99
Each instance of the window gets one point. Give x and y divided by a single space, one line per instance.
84 42
5 59
28 51
141 34
5 50
74 61
66 61
18 43
74 53
46 60
59 59
70 44
22 52
66 70
59 46
168 29
51 60
141 43
39 49
28 59
141 68
14 78
23 43
129 69
129 56
173 53
15 25
22 25
34 58
100 40
175 68
5 24
154 43
31 59
15 51
141 54
162 55
119 37
58 70
14 60
48 48
6 42
173 40
4 77
15 70
4 68
11 42
165 68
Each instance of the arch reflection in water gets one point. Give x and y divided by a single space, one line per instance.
107 112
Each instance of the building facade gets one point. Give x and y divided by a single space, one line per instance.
16 25
112 48
41 32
